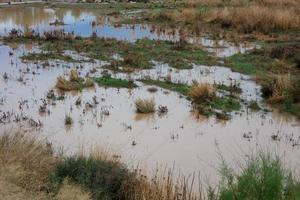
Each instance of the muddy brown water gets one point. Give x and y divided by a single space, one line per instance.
192 142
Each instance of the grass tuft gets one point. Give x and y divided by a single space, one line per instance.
145 105
202 92
74 82
108 81
68 120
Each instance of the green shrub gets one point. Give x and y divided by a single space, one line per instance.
262 178
104 179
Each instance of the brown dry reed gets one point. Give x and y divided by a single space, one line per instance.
75 82
202 92
145 105
245 16
26 160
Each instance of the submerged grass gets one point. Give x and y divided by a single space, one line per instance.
183 89
136 55
47 56
203 96
108 81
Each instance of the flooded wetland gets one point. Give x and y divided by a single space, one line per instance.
157 95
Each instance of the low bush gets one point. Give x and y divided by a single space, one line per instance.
104 179
263 177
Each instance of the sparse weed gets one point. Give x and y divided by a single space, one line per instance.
68 120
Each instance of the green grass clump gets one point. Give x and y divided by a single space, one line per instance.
104 179
291 108
218 106
225 104
263 177
183 89
169 52
47 56
248 63
277 58
68 120
202 95
108 81
59 98
232 88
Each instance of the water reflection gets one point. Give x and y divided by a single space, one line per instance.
85 22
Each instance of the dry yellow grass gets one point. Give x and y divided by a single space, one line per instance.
246 16
32 159
281 87
74 75
163 186
25 165
194 3
70 191
277 2
145 105
202 92
256 18
74 83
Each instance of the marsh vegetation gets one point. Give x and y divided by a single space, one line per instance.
167 82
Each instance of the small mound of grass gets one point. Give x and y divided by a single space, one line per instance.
68 120
104 179
47 56
202 92
74 82
177 87
203 97
145 105
108 81
207 103
232 88
283 91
